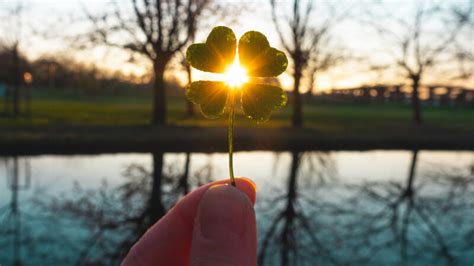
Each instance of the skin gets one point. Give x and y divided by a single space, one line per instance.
213 225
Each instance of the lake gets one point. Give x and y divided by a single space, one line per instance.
378 207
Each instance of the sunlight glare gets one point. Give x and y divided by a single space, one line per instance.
235 75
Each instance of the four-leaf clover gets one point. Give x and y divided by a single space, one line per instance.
255 55
216 55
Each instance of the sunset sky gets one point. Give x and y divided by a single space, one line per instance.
66 18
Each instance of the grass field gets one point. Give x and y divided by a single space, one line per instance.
53 108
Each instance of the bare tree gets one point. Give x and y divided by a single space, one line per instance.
11 44
157 30
189 75
301 36
323 57
422 41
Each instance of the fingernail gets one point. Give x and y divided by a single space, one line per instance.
223 212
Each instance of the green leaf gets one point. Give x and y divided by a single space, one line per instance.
259 100
259 58
211 96
216 54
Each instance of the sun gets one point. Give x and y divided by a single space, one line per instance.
235 76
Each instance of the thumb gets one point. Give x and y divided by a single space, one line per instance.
224 229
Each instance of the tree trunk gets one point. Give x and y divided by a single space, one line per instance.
408 196
297 119
411 175
287 247
16 82
184 181
28 99
189 104
15 213
311 87
7 100
156 207
415 99
159 94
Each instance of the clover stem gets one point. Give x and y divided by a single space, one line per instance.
230 136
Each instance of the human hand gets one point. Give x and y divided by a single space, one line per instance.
213 225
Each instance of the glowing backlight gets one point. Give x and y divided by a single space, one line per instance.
235 75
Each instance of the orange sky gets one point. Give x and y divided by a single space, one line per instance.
56 15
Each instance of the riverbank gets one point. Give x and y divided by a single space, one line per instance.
111 139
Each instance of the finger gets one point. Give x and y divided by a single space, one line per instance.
225 229
168 241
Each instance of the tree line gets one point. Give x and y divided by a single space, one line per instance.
62 73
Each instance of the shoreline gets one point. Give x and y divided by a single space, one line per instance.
127 139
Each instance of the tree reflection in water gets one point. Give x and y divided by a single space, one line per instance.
313 218
12 229
426 219
292 232
109 220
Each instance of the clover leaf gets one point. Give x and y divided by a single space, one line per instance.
255 55
259 100
210 95
259 59
215 54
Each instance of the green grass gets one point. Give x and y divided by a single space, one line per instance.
54 108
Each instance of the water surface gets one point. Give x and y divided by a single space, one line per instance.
313 208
